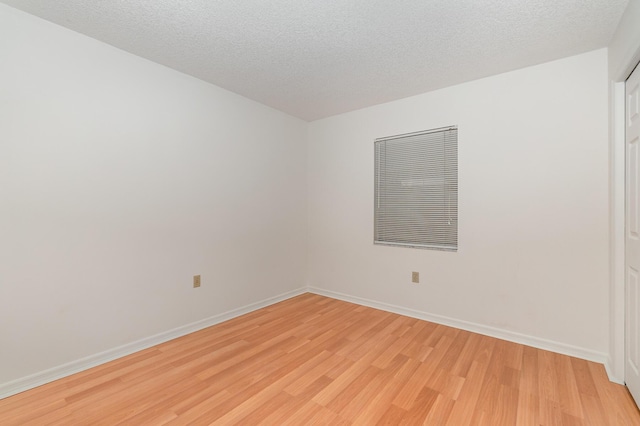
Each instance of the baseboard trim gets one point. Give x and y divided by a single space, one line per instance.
55 373
608 365
536 342
61 371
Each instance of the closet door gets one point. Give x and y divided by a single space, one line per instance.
632 235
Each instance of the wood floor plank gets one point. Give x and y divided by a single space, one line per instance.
379 403
282 414
342 381
440 411
409 393
302 383
465 406
527 409
423 404
568 388
316 360
240 406
393 416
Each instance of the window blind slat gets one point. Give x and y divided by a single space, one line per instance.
416 189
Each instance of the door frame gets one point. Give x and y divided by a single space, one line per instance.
615 364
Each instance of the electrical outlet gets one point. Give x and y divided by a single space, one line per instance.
196 281
415 277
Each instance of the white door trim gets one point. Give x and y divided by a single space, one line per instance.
632 230
616 361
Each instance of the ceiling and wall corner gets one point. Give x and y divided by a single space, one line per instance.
624 47
314 59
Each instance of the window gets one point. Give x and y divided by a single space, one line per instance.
416 190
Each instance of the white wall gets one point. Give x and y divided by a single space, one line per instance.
119 180
533 223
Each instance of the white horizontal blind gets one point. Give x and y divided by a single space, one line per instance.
416 189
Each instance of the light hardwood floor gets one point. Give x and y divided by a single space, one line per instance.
315 360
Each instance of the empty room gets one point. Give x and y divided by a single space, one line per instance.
311 212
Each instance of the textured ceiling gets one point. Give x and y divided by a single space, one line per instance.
316 58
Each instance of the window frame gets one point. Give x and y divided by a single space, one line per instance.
431 237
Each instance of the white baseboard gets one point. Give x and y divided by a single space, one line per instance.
536 342
55 373
608 365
